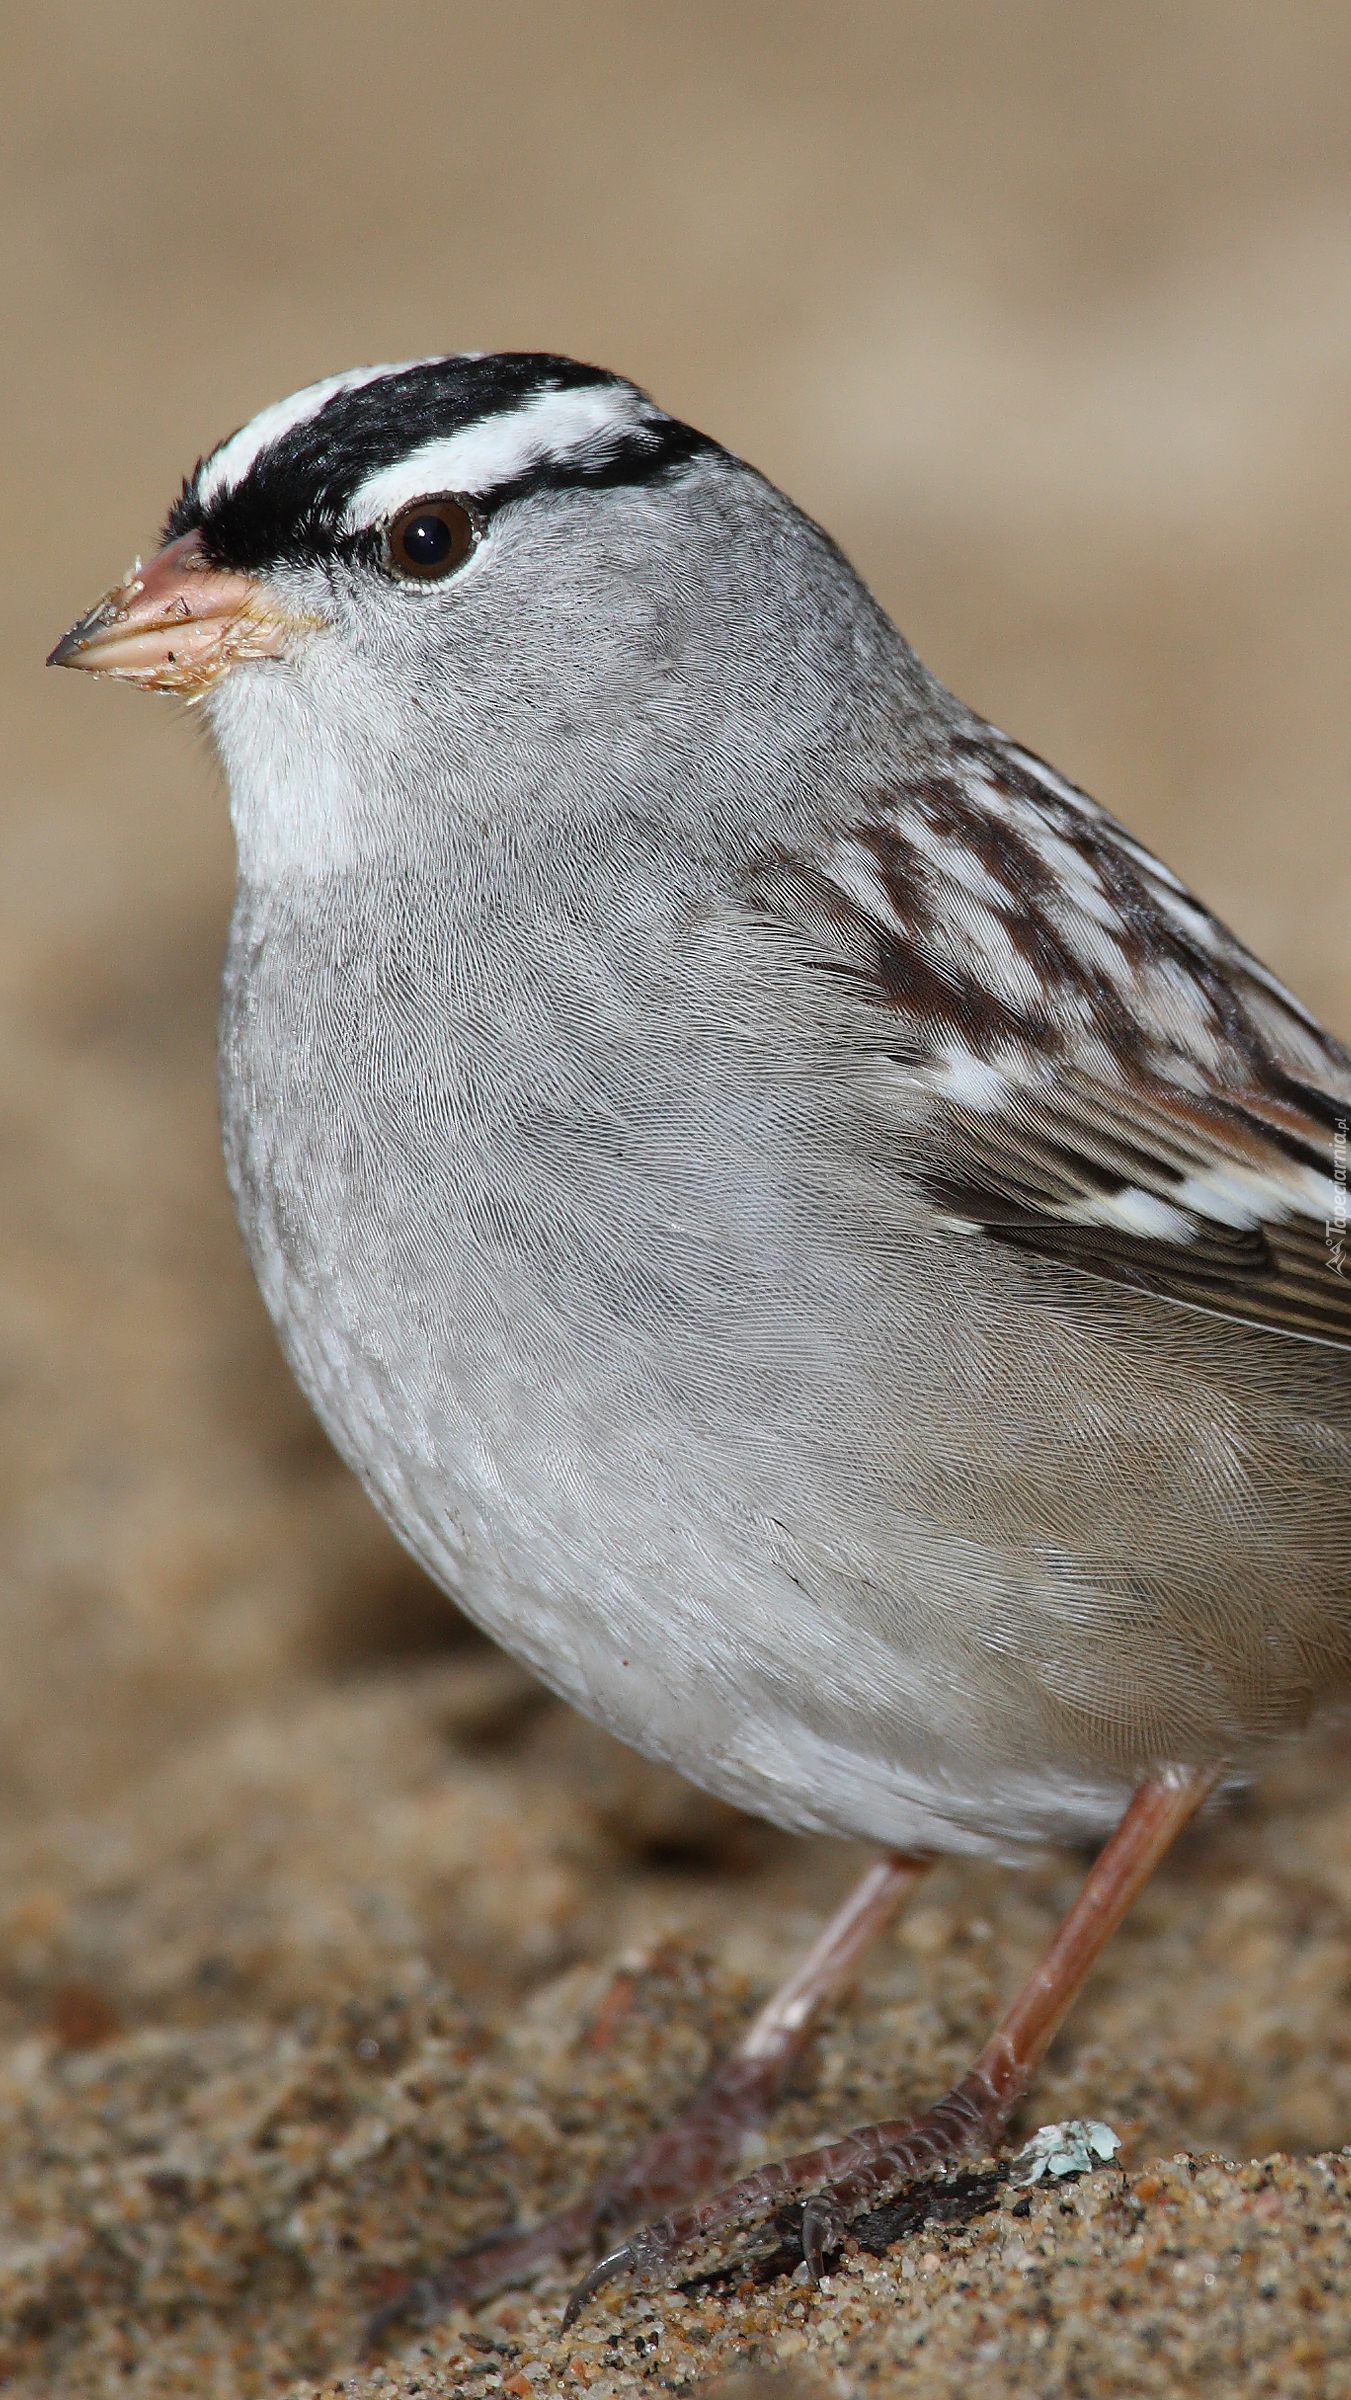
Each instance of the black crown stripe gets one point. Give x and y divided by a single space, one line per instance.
292 502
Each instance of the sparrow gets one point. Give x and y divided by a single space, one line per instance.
808 1231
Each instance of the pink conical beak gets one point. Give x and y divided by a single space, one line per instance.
176 625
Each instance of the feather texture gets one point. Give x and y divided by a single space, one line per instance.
1092 1066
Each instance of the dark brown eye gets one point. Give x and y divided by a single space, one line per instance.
429 540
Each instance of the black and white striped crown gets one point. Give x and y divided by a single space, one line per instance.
313 475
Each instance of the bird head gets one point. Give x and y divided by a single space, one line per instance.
478 578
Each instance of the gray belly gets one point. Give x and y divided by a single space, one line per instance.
868 1526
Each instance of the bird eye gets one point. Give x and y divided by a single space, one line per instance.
429 540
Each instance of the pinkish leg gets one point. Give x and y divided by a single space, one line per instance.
741 2092
873 2163
703 2141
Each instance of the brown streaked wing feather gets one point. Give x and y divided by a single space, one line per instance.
1131 1057
1011 1175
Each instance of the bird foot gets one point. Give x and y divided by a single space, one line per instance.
845 2180
813 2198
700 2145
498 2263
686 2156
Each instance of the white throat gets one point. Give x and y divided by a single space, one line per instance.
302 802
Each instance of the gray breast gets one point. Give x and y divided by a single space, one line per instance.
601 1273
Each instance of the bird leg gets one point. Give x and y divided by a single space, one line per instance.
741 2092
846 2178
687 2156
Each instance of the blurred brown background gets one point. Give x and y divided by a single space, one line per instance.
1045 311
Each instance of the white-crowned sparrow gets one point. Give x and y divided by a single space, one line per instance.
805 1227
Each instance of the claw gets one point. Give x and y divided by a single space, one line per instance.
820 2232
604 2271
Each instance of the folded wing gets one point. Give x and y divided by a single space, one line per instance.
1090 1065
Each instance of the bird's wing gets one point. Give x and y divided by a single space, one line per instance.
1091 1065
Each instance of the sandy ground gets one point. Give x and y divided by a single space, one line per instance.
307 1900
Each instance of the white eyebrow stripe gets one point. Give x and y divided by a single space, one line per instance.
499 448
229 464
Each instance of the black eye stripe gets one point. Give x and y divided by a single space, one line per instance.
291 506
